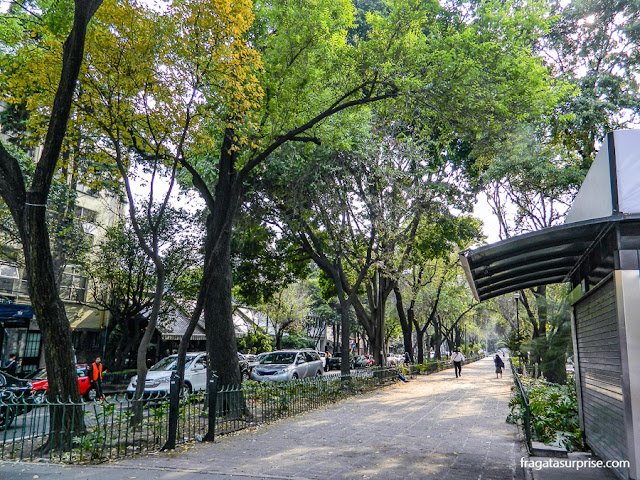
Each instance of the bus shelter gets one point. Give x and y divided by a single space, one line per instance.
597 251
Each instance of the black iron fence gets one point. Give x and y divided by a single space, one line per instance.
109 431
119 426
521 396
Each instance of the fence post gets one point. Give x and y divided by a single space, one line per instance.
174 404
524 402
212 396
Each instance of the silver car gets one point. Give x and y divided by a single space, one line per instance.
159 376
288 365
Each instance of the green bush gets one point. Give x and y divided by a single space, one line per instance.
554 413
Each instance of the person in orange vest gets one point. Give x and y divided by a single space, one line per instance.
96 377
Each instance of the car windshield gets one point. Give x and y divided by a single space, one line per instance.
42 373
170 363
279 358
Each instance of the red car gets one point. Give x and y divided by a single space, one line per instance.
40 384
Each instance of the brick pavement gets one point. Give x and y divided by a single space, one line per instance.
434 427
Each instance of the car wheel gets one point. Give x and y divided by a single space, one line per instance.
90 395
7 414
319 373
245 375
186 389
40 397
294 376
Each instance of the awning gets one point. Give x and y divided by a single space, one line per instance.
543 257
15 315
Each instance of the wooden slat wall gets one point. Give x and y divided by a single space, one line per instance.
601 373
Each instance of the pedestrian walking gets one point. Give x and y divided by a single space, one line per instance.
96 378
457 358
11 365
499 365
407 358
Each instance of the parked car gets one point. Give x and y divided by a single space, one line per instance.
244 366
288 365
249 357
360 361
195 374
335 361
12 389
40 384
323 357
257 359
159 375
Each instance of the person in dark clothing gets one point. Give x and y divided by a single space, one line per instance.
96 377
499 365
11 366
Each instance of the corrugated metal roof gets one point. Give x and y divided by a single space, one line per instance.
543 257
175 324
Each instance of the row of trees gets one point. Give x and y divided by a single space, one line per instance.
354 135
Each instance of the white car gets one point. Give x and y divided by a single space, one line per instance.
323 357
159 376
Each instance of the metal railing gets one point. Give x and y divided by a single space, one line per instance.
109 432
521 394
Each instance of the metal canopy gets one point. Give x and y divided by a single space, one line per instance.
537 258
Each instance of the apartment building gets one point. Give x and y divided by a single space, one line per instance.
19 331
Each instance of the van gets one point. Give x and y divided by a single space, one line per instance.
159 376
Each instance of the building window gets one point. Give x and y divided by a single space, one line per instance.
8 276
23 288
6 285
32 347
74 285
86 214
8 271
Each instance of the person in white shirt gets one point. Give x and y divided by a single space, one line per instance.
457 358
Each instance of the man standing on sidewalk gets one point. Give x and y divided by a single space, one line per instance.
96 378
457 358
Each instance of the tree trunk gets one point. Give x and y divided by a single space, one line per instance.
54 326
406 322
279 333
420 342
437 339
28 209
221 338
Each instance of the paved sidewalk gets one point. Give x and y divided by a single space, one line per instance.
434 427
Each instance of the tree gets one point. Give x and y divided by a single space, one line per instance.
27 204
313 80
124 278
593 45
316 77
151 93
255 341
287 311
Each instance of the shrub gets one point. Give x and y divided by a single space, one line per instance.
554 413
